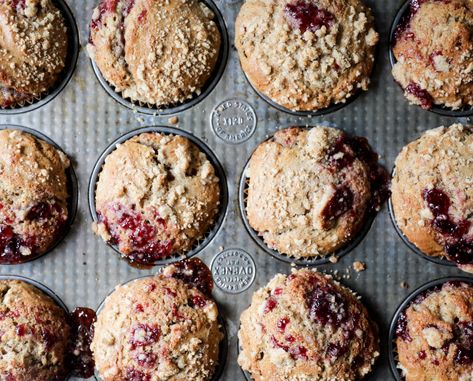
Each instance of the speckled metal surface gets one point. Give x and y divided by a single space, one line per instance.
83 120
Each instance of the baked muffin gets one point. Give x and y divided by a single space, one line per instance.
306 55
156 196
311 190
432 194
433 47
306 326
435 335
158 328
33 49
35 334
158 52
33 196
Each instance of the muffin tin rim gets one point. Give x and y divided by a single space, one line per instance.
307 262
436 109
73 190
402 307
208 87
68 71
210 235
224 343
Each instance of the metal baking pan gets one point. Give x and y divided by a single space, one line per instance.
84 120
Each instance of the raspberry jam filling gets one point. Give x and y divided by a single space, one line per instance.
82 326
136 236
143 335
195 273
344 151
458 246
16 248
425 99
305 15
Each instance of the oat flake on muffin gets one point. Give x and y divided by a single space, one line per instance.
311 190
434 51
432 193
159 328
35 334
33 196
435 335
306 55
156 196
159 52
33 49
306 326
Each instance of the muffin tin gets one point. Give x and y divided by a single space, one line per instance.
84 120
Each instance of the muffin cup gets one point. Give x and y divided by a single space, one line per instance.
410 245
223 348
72 190
45 290
328 110
219 171
392 351
436 109
150 109
65 76
311 261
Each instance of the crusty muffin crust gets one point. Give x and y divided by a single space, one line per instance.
306 326
434 52
33 49
159 52
301 64
432 193
33 195
435 334
154 329
308 192
35 334
156 196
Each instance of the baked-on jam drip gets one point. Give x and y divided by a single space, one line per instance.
342 154
138 234
194 272
402 331
82 332
305 15
458 247
425 99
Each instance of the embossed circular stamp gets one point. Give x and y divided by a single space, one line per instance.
233 121
233 271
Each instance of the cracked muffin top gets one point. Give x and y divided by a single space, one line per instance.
306 326
160 328
34 334
433 47
33 49
33 196
432 193
156 196
311 190
435 335
306 55
159 52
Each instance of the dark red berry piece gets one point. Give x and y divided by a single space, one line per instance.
144 334
82 326
426 100
271 304
282 324
136 375
21 330
340 203
402 330
305 15
195 273
146 359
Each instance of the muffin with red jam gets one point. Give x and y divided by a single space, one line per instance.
156 196
33 50
306 326
159 52
433 47
434 335
34 334
33 196
163 327
432 194
306 55
310 191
